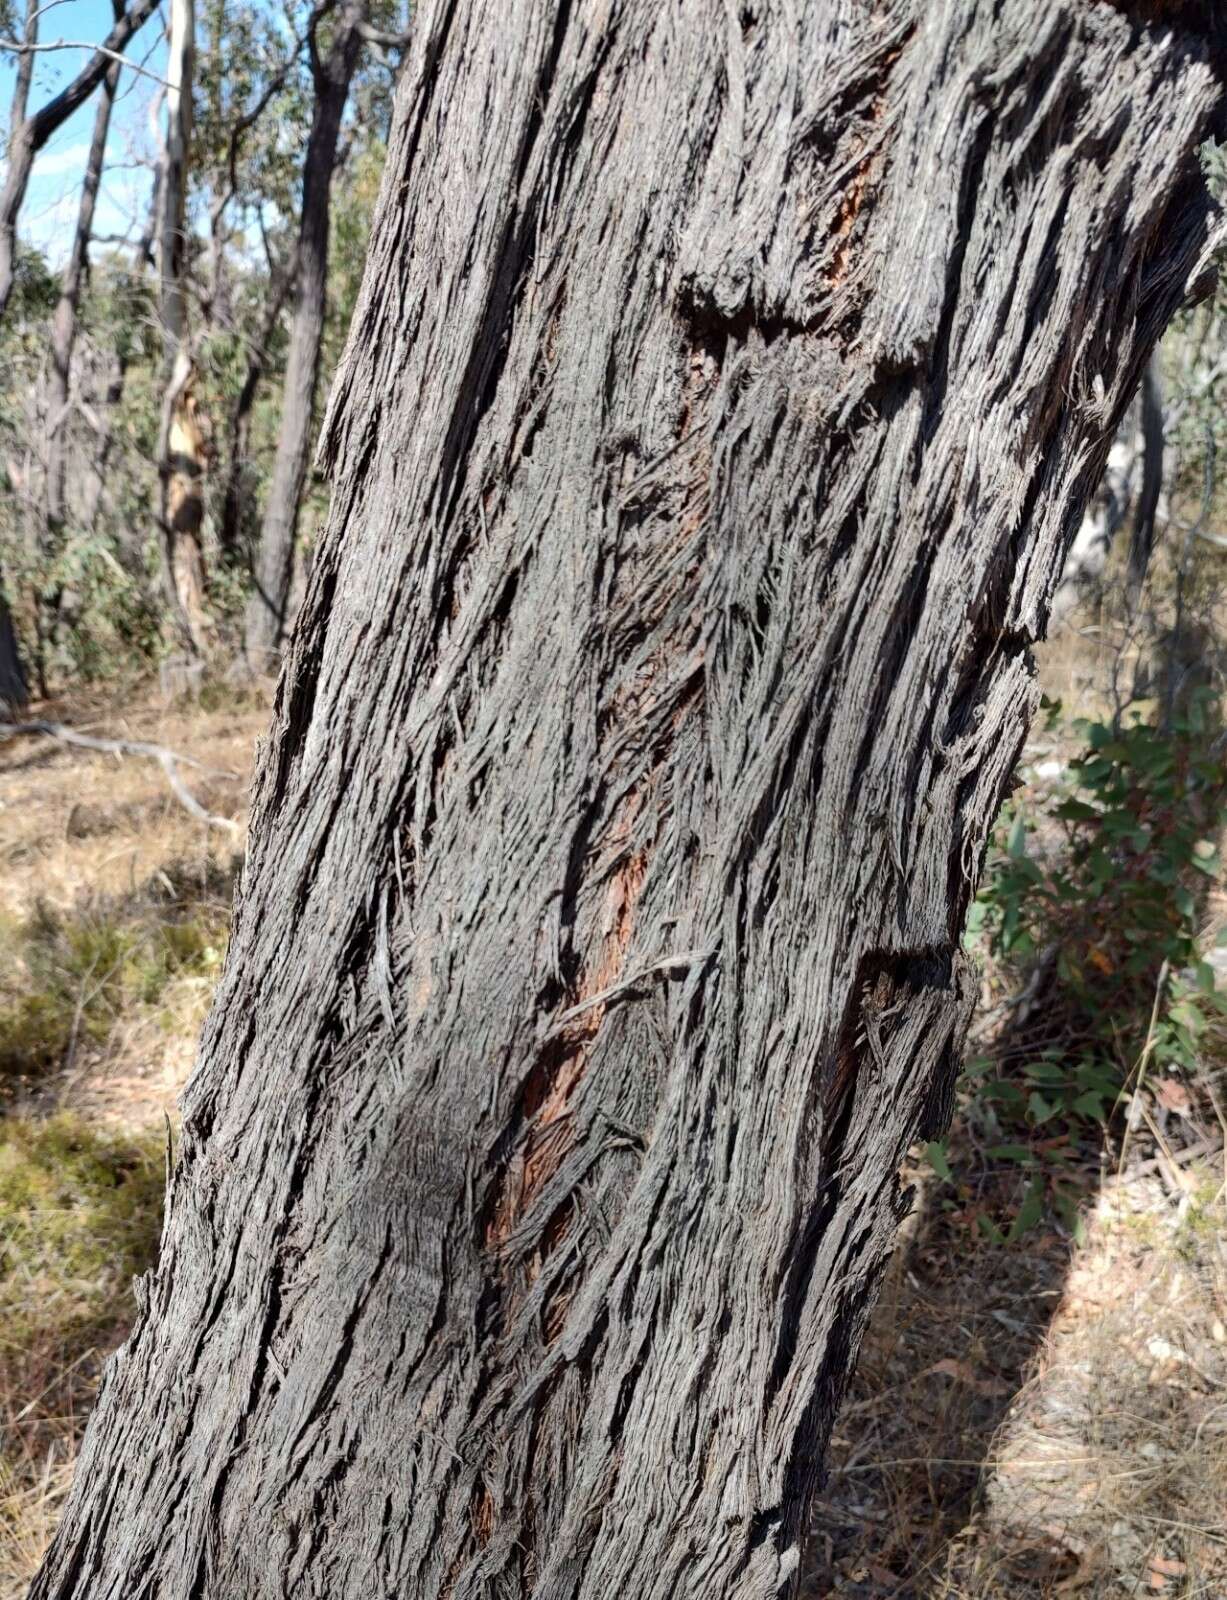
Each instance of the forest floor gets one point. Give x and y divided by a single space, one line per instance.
1047 1418
1043 1419
114 904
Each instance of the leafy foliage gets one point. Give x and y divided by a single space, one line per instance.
1090 917
87 588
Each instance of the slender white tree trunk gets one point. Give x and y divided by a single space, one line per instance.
180 445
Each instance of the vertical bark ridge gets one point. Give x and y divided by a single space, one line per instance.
698 495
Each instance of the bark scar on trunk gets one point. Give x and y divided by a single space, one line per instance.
548 1091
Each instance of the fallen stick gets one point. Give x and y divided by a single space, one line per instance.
169 760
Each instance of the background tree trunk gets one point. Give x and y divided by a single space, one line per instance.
274 564
181 458
1128 493
72 282
14 693
230 534
725 388
17 158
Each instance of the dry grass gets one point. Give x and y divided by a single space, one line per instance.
1048 1419
113 911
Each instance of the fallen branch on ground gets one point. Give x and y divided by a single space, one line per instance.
169 760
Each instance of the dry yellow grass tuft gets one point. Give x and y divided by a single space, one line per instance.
1044 1420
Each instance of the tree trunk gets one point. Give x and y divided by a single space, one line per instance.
14 692
28 134
142 258
172 186
724 390
273 567
234 502
181 458
73 280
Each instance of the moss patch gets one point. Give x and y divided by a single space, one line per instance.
80 1215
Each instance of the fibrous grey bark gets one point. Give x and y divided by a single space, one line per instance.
725 388
272 569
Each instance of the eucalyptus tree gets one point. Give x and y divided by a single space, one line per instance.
726 385
181 438
72 284
350 26
30 130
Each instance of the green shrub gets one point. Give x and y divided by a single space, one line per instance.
1090 915
80 1215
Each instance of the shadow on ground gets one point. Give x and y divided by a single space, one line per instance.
952 1343
1045 1419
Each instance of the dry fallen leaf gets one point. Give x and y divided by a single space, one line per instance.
1168 1566
962 1373
1170 1092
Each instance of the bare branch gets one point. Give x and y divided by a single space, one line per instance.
169 760
382 37
20 49
248 120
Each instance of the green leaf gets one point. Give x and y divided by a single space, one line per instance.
935 1155
978 1066
1068 1206
1039 1108
1008 1093
1009 1152
1090 1105
1031 1210
990 1229
1076 811
1044 1072
1016 845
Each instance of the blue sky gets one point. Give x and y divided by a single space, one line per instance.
51 203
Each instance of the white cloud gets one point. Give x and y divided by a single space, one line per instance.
51 163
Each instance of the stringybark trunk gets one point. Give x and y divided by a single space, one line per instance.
725 388
273 568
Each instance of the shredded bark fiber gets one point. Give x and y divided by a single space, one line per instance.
726 385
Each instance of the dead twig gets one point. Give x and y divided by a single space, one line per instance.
169 760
